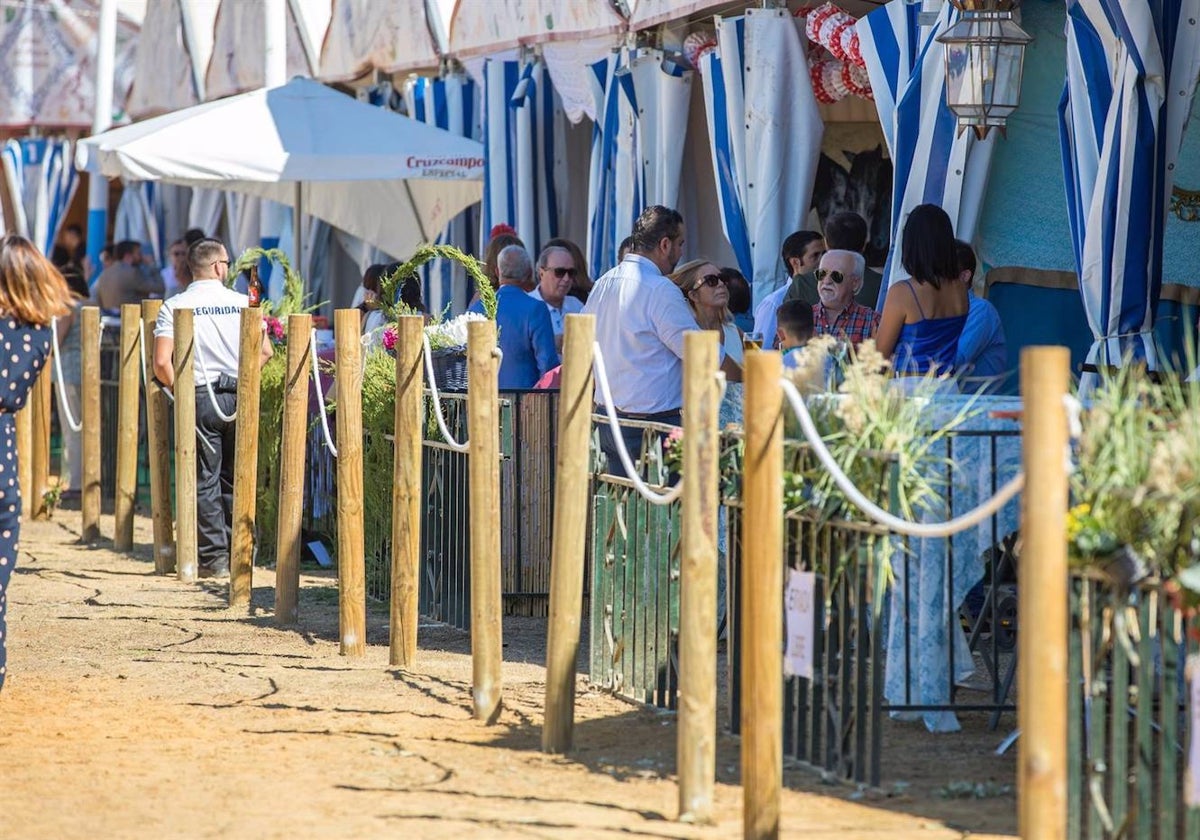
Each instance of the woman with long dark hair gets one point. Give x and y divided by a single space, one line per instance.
32 293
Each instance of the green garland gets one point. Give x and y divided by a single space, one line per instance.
390 285
294 300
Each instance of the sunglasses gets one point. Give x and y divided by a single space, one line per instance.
835 276
710 280
560 272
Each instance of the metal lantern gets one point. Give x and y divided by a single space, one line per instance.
984 50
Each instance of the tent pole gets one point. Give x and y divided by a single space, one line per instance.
106 49
297 237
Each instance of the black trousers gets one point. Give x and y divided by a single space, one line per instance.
214 473
632 436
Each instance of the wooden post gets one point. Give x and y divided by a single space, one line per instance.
157 444
245 460
571 461
24 423
352 588
89 416
407 493
483 426
39 414
127 428
291 470
186 557
762 598
697 734
1042 656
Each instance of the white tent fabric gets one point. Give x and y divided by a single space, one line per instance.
152 214
235 69
387 35
569 65
648 13
48 73
765 137
389 180
485 29
664 90
615 183
40 182
174 49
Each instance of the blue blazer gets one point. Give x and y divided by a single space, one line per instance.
526 337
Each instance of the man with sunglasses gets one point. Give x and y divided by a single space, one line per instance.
839 279
556 272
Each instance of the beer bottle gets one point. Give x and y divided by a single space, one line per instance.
254 287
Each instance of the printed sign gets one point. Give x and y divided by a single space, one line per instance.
800 612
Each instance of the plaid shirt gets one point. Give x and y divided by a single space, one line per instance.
854 323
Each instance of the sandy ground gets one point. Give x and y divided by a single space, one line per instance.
138 706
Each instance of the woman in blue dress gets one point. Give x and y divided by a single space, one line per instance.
32 293
923 316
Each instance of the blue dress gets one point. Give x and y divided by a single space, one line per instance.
23 351
928 344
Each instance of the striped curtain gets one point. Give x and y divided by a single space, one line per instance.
41 180
450 103
765 137
933 162
1131 75
616 182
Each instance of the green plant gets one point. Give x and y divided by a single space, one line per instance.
389 286
294 300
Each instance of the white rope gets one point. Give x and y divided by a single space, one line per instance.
437 402
619 441
894 523
1074 428
142 353
212 397
316 375
72 423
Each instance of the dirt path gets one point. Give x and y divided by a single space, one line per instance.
137 706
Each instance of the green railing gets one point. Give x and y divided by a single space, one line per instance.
1127 713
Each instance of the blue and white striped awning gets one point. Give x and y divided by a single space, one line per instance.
615 182
933 162
1131 74
41 181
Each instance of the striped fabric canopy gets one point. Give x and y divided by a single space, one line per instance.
933 162
1131 75
450 103
41 181
765 137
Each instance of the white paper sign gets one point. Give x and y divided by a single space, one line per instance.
801 619
1191 785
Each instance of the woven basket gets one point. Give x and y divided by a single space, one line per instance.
450 368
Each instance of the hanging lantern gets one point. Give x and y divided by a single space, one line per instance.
984 52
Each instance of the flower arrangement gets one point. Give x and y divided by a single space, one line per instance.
276 331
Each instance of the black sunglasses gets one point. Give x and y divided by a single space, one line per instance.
835 276
710 280
560 272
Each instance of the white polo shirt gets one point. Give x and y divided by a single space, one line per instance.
217 325
641 318
570 306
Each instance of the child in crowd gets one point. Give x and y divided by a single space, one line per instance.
793 328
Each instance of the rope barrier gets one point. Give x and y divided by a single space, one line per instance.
873 511
73 424
312 352
212 397
614 425
437 402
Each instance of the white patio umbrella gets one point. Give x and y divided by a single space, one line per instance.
391 181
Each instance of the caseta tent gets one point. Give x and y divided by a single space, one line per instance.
391 181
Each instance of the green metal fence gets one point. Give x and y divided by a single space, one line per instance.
1127 713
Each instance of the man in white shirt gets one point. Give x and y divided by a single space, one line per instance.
556 271
217 324
641 318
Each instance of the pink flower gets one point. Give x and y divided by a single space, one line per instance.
389 338
274 329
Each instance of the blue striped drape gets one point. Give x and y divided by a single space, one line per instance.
933 162
616 181
41 181
1131 75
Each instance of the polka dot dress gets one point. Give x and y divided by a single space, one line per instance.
24 351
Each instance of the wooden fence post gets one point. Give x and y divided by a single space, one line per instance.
245 481
571 461
89 416
697 733
483 427
158 446
352 588
186 558
39 414
292 452
409 422
762 598
127 428
1042 655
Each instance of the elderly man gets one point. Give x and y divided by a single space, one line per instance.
526 336
844 231
839 279
123 281
556 272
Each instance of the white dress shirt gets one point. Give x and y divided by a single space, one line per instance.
641 318
766 315
570 306
217 326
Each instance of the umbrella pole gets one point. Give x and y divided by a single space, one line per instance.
297 238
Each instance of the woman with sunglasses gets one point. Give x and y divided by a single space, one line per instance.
708 296
924 315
